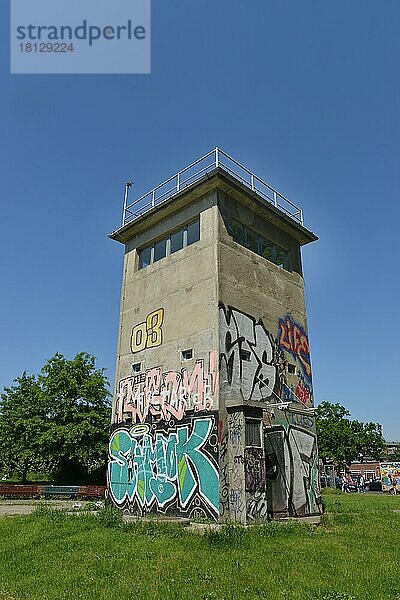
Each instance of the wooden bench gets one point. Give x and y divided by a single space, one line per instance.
15 490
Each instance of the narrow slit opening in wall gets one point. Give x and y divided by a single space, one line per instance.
187 354
245 355
136 367
252 433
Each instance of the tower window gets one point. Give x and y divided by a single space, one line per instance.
260 245
193 232
187 235
136 368
187 354
145 257
176 241
291 369
160 250
252 433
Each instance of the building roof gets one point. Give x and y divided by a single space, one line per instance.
216 170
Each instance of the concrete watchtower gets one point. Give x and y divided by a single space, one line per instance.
212 412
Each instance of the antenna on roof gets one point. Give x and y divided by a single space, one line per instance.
128 185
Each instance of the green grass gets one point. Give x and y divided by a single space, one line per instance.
355 554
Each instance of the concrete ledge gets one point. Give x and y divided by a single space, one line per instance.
309 520
156 519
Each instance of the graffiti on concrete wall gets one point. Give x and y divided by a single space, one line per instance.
302 393
254 469
172 470
293 339
249 358
292 470
223 473
162 396
236 443
300 420
148 334
257 506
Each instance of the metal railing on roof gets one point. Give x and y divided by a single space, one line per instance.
217 158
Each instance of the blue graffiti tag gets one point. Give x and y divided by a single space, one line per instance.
161 468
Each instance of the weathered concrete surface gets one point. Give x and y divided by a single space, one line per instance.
311 520
196 437
12 508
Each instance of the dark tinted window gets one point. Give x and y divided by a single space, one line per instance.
281 258
245 355
144 257
260 245
193 232
266 249
160 249
253 437
252 243
176 241
239 234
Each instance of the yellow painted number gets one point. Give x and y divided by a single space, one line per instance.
154 322
149 333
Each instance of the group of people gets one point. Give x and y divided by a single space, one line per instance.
392 480
347 482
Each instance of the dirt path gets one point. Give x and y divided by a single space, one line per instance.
13 508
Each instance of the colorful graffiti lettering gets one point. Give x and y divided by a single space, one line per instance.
167 395
294 340
390 472
302 393
155 470
289 393
149 333
248 355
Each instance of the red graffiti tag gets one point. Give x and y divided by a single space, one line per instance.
301 393
294 340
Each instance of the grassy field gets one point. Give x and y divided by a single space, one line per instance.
355 554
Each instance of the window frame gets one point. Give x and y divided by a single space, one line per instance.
261 241
249 426
167 238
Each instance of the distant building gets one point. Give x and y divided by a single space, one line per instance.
212 412
392 448
370 470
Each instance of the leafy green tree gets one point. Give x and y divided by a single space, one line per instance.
58 420
342 440
22 425
393 456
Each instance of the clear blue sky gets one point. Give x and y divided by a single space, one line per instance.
305 93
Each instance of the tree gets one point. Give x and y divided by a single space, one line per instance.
21 426
342 440
58 420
